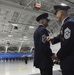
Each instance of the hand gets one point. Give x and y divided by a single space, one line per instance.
48 38
56 62
54 57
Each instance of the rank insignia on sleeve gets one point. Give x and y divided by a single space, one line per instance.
67 33
44 38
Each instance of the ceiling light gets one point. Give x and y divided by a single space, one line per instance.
10 35
24 40
25 37
63 4
14 24
31 26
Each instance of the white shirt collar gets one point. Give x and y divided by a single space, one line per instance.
40 24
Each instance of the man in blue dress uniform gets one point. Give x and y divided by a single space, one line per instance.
42 53
66 37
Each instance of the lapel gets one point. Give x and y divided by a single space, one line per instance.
66 20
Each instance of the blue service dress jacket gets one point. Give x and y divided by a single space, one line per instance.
42 53
66 52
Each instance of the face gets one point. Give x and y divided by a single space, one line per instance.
45 22
59 15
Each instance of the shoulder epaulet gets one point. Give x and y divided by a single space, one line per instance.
70 20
